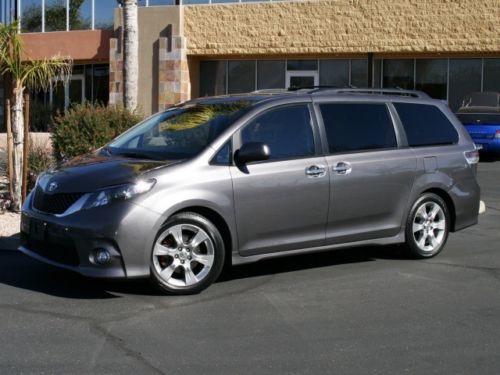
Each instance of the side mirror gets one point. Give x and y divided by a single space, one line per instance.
252 151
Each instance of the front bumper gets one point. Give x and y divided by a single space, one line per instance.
124 229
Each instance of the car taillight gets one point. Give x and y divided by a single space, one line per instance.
472 157
497 134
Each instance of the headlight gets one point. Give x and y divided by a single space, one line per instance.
118 193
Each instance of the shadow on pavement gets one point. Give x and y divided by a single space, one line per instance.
20 271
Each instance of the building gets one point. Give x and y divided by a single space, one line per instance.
211 47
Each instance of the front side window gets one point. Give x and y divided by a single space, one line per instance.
286 130
426 125
179 133
356 127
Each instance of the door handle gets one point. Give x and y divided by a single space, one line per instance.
342 167
316 170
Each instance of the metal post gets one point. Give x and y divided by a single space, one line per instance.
43 16
19 15
371 70
26 145
93 14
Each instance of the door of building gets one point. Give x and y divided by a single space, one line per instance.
302 78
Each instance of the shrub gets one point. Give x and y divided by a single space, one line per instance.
86 127
39 161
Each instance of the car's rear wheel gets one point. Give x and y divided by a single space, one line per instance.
188 254
427 226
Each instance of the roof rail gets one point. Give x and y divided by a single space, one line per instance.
398 92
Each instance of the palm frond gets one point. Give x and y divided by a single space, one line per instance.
39 74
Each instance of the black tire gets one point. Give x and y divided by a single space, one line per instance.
189 220
415 238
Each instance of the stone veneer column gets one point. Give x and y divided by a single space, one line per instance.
115 72
174 85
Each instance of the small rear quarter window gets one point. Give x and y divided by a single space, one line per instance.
426 125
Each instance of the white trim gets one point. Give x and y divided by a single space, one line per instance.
301 73
43 16
19 15
92 16
67 15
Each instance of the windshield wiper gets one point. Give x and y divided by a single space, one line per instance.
136 155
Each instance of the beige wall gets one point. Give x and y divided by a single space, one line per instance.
154 21
344 26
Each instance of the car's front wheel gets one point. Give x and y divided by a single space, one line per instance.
427 226
188 254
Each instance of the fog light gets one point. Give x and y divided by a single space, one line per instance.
102 256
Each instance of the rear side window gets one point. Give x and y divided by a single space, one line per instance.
426 125
357 127
286 130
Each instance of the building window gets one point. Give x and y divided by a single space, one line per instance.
80 17
31 13
104 14
334 73
465 77
241 76
431 77
56 15
302 65
212 78
399 74
270 74
491 78
359 73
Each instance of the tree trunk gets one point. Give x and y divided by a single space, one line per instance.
131 54
18 140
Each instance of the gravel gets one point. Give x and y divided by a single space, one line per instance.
9 222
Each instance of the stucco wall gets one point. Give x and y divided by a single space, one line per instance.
154 22
344 26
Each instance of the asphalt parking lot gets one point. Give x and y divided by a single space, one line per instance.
357 311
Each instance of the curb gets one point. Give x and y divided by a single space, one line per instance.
9 243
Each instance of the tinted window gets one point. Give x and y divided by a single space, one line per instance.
355 127
270 74
426 125
241 76
287 131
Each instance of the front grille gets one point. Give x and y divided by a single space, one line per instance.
58 252
54 203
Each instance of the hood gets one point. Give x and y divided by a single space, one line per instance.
91 172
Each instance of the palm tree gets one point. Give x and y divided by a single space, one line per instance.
131 53
25 73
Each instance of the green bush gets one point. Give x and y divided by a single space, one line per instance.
39 161
86 127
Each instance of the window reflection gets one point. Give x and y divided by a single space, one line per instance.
431 77
80 15
334 73
398 74
31 15
465 78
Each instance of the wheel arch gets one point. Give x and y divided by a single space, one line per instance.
450 205
220 223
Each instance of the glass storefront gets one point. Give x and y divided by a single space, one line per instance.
54 15
445 79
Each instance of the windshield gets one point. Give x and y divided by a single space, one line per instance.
178 133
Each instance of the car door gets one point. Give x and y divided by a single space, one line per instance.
282 203
371 177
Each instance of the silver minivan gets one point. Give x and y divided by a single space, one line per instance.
240 178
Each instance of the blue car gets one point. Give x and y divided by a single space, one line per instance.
480 114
